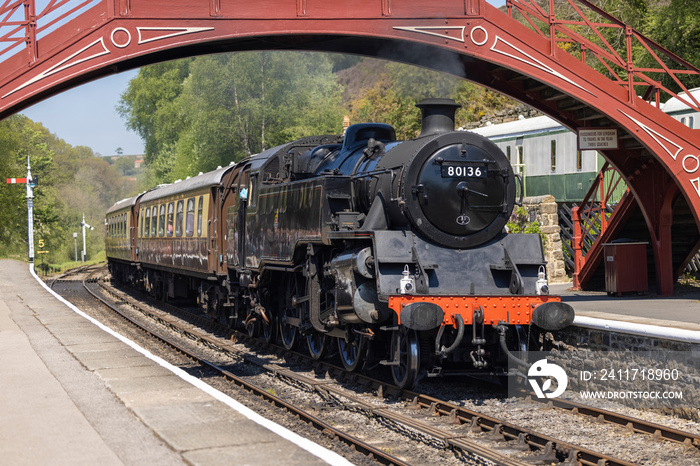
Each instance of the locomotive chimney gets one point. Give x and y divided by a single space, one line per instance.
438 116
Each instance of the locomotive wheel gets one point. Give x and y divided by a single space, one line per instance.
252 324
288 332
406 372
318 345
352 350
268 330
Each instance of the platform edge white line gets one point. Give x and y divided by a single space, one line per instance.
646 330
323 453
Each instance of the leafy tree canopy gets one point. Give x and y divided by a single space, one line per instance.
222 108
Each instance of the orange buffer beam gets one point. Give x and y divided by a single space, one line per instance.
515 310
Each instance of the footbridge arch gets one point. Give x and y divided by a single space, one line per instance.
528 53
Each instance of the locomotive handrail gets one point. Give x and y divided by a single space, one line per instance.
373 173
564 26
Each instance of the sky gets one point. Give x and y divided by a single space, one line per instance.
86 115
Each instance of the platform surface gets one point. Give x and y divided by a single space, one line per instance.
74 394
679 311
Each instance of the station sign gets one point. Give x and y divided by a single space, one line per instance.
597 139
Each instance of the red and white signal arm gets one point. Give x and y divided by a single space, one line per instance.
16 180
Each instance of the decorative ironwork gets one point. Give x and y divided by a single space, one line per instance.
583 29
592 217
22 25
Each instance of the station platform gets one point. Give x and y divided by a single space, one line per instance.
74 393
651 314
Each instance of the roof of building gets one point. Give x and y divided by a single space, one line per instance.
519 127
674 104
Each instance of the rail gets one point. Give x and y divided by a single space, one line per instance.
553 448
605 43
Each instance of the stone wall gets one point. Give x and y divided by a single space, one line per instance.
503 116
544 210
596 351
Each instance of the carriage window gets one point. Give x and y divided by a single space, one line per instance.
579 160
200 210
508 153
189 218
178 217
154 220
147 225
554 155
161 221
171 211
141 222
691 122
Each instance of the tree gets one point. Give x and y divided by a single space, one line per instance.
150 106
676 27
72 181
392 97
124 165
230 106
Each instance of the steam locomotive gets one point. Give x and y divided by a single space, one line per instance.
395 251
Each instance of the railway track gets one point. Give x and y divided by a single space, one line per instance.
447 426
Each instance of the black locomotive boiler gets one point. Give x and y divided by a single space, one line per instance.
395 251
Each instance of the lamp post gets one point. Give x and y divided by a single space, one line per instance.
75 240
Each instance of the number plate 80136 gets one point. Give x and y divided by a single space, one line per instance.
463 171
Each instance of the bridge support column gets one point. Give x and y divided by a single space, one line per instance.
655 192
576 245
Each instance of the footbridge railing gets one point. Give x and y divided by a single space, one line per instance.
586 31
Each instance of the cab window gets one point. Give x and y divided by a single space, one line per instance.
252 187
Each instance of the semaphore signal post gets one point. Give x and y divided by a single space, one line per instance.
31 183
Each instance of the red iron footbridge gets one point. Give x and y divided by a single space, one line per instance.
557 60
